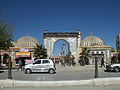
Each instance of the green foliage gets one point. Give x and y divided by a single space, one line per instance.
69 59
6 35
40 52
113 50
113 59
84 56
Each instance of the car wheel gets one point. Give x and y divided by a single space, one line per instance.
28 71
116 69
51 71
107 70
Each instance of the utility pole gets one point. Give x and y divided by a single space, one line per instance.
96 67
9 69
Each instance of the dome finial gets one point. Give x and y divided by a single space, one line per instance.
92 41
91 33
27 34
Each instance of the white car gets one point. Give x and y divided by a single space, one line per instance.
40 65
114 67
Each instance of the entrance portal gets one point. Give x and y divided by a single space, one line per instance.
72 38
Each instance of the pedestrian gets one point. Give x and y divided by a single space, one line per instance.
19 65
62 62
102 62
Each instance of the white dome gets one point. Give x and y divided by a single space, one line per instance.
92 41
26 41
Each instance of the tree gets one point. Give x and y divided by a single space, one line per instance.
84 57
113 50
6 35
40 52
113 59
69 59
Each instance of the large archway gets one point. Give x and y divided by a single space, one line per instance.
73 39
58 47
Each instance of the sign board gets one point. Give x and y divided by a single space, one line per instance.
28 61
22 54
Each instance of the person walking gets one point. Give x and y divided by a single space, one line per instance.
102 62
20 65
62 62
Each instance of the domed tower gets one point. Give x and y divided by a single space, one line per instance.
23 50
92 41
96 47
26 41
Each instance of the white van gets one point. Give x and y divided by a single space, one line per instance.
40 65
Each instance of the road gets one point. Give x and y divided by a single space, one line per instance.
59 76
111 87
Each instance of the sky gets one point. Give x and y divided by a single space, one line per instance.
32 17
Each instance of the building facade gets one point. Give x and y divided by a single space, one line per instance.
73 40
23 50
96 47
24 47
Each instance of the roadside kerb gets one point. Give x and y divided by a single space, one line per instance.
107 81
91 82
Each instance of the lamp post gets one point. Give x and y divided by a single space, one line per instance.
95 56
9 69
96 66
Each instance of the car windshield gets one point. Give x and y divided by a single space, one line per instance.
117 63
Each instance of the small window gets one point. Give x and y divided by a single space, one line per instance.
97 52
102 52
46 61
38 62
92 52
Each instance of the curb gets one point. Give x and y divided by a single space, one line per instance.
90 82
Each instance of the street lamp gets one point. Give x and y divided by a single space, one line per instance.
96 66
9 69
96 56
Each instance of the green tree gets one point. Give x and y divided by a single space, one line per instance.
69 59
84 57
6 37
113 59
113 50
40 52
6 34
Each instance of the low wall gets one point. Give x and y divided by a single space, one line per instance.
91 82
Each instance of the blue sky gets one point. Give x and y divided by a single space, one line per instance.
31 17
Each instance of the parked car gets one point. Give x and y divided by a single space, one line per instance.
40 65
113 67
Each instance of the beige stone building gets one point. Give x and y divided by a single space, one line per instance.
23 49
97 47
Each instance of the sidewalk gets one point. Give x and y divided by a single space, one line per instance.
78 68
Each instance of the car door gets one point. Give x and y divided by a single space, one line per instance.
46 65
37 66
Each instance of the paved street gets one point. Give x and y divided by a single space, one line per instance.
67 73
111 87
